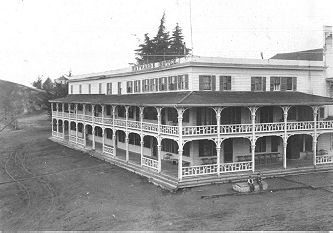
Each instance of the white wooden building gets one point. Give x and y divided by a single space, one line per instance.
198 120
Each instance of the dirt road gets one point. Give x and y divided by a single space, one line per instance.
45 186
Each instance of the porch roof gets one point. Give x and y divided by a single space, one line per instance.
202 98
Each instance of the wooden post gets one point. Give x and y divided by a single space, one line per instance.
180 112
103 139
114 131
127 149
285 135
218 111
315 136
253 141
159 149
141 134
93 138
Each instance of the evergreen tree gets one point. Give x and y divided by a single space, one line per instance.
177 44
38 83
48 85
144 51
161 42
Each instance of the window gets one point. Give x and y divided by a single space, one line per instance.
155 84
129 86
172 82
169 145
109 88
151 84
71 89
119 88
80 89
137 86
283 84
261 145
258 83
163 84
89 88
183 82
172 115
145 85
100 86
225 83
121 136
322 112
121 111
207 82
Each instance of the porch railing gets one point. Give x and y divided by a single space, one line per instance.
269 127
324 124
236 128
200 130
54 134
236 167
134 124
199 170
88 118
169 129
72 115
98 120
150 163
72 138
301 125
149 127
120 122
324 159
80 117
80 141
108 121
108 150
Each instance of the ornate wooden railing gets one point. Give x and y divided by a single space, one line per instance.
98 120
72 138
200 130
150 163
300 125
236 128
108 121
88 118
199 170
80 117
134 124
80 141
324 124
324 159
108 150
72 115
236 167
54 134
169 129
269 127
120 122
149 127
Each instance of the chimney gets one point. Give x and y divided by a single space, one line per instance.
327 38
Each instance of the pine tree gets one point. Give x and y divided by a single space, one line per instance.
161 42
144 51
177 44
38 83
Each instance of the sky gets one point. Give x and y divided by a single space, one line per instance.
49 38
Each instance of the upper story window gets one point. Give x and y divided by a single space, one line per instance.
258 83
129 86
145 85
119 88
80 89
163 84
183 82
137 86
100 86
225 83
89 88
172 82
207 82
283 84
71 89
109 88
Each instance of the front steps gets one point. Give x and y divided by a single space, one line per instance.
172 183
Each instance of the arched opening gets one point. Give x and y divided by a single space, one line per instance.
66 130
134 147
150 114
121 111
66 107
88 132
299 150
170 157
88 109
236 150
300 113
72 128
54 124
121 144
98 138
268 152
269 114
324 148
80 133
134 113
150 146
60 122
98 110
235 115
80 109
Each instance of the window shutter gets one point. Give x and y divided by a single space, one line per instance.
221 83
186 81
213 80
143 85
264 83
201 83
283 84
252 84
294 83
229 83
139 86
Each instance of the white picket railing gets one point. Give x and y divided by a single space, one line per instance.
65 114
72 138
60 135
120 122
324 124
88 118
80 117
151 163
98 120
108 150
149 127
236 167
72 115
199 170
108 121
200 130
269 127
169 129
236 128
80 141
134 124
324 159
301 125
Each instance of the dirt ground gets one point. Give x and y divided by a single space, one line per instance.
45 186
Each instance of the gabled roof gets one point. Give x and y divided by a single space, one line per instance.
202 98
309 55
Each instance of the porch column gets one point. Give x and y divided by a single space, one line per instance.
218 111
63 110
76 110
93 138
114 131
84 135
103 138
159 149
57 109
93 113
76 131
141 134
315 136
103 110
52 124
180 112
127 150
253 141
63 129
285 135
57 127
